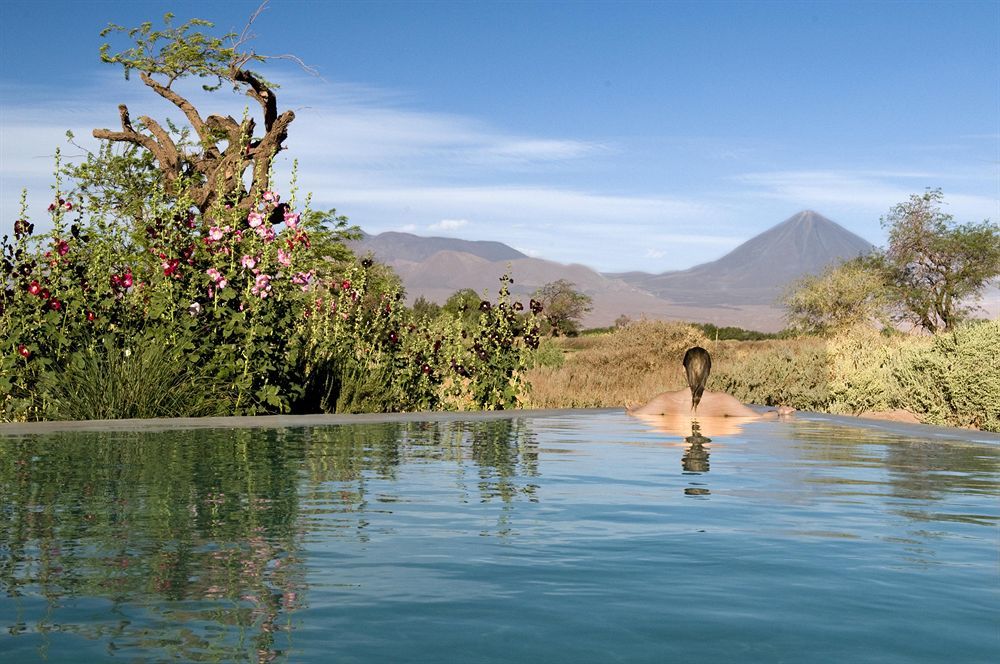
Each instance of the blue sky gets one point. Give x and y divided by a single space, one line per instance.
621 135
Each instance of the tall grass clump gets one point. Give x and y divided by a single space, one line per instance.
145 381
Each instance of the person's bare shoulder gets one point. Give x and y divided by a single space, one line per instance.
665 403
720 404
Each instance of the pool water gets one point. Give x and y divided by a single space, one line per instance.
576 536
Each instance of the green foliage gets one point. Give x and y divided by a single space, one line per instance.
564 307
774 373
175 52
464 304
846 295
935 265
424 308
955 380
549 354
145 380
729 333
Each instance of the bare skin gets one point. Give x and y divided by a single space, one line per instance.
713 404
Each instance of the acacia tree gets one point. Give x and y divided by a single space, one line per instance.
211 167
563 305
851 293
936 266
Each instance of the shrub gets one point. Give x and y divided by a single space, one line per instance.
955 378
771 373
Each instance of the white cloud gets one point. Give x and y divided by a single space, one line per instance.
448 225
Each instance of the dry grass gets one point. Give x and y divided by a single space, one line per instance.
620 368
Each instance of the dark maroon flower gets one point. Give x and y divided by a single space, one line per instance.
393 337
23 350
22 227
345 284
44 293
34 288
127 280
536 306
366 263
91 316
55 304
62 247
518 306
116 281
484 306
426 368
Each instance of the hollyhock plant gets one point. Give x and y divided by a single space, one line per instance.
284 258
255 219
249 262
292 219
215 233
261 286
271 197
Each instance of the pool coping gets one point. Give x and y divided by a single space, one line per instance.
8 429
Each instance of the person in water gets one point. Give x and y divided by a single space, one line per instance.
696 399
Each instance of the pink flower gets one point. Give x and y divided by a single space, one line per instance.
215 233
255 219
303 279
217 277
261 286
249 262
284 258
170 266
270 197
266 233
291 219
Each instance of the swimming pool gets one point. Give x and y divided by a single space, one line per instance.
559 536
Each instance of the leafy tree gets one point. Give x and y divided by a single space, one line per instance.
936 265
844 295
210 165
424 308
563 306
464 304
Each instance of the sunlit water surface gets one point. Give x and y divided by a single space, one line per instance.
558 538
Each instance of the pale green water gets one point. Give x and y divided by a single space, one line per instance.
559 538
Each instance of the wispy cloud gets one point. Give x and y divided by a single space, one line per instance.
448 225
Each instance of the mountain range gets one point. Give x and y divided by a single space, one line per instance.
740 288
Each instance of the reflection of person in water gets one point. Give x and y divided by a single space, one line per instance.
695 459
697 365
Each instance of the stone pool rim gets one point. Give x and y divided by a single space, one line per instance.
18 429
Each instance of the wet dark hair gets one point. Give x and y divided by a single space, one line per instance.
697 364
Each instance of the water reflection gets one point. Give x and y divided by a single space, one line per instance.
695 459
198 536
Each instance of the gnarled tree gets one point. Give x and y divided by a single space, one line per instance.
211 168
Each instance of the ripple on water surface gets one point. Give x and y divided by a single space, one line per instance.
557 537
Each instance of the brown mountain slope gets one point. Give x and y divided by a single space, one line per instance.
758 271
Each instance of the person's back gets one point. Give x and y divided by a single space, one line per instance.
697 365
